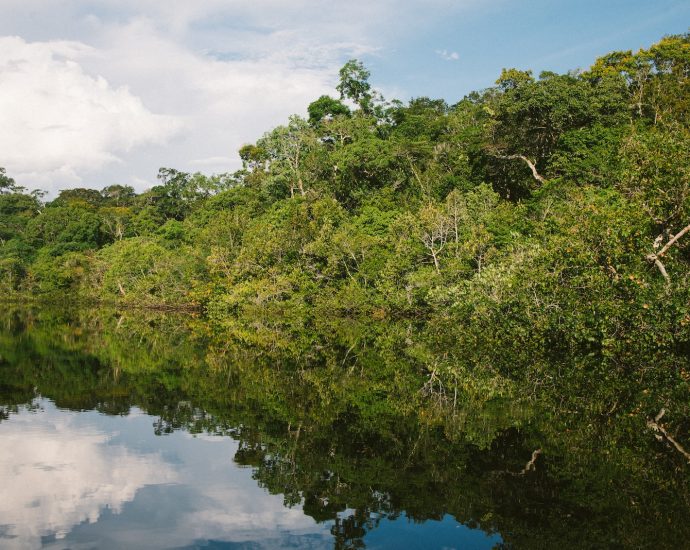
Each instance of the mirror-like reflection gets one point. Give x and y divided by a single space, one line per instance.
61 469
137 430
84 479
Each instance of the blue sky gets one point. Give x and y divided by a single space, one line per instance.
94 93
555 35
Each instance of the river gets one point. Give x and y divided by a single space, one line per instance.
137 430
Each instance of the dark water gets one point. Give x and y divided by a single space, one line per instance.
129 430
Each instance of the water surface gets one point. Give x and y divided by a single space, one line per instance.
130 430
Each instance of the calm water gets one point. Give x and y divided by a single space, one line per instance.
88 480
150 431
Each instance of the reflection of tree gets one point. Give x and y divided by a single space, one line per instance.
346 443
349 531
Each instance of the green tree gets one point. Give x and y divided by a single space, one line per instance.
324 107
79 197
7 184
118 195
286 149
66 228
354 85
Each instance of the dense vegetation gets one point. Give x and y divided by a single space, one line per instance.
531 236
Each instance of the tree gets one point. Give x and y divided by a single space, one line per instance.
16 210
512 79
116 221
656 79
60 229
435 228
7 184
655 175
118 195
79 196
286 148
325 107
354 85
530 117
180 192
253 157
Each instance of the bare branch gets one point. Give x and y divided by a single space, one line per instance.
654 425
531 464
654 258
673 240
528 162
529 467
660 415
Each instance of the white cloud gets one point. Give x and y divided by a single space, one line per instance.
58 120
223 100
147 83
448 56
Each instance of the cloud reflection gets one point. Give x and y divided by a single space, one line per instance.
56 474
66 477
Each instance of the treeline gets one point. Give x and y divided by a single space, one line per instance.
540 217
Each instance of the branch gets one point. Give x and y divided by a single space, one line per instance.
529 467
654 257
527 161
416 174
654 425
673 240
531 464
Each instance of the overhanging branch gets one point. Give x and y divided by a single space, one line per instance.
655 257
528 162
654 425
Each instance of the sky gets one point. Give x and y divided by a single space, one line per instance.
94 93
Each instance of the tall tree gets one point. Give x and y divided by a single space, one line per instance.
354 85
7 184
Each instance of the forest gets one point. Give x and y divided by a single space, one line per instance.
527 240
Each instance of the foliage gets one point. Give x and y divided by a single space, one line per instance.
520 225
324 107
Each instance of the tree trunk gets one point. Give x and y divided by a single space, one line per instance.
433 255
